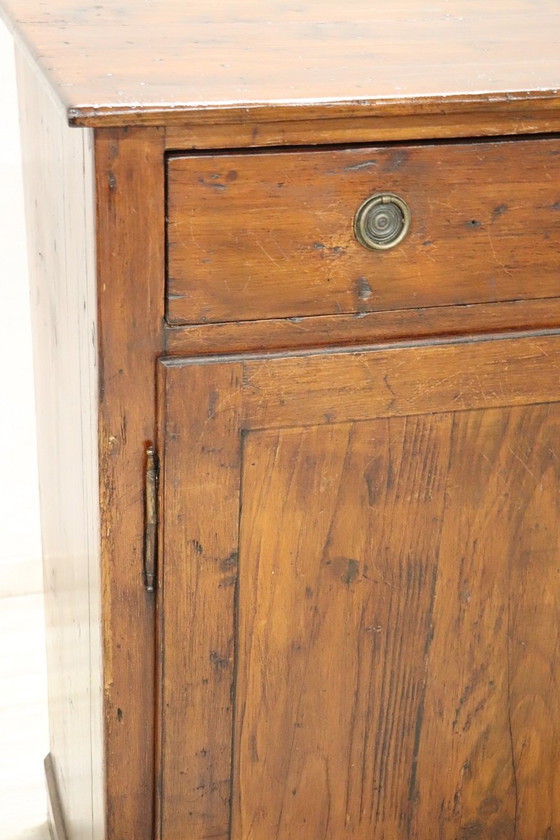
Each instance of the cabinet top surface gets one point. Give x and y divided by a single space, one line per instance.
158 62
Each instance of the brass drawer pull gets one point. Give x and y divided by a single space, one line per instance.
382 221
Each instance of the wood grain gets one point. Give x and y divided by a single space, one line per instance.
270 235
335 619
197 629
444 377
502 504
355 631
390 665
510 119
163 63
58 166
101 701
380 637
364 328
130 268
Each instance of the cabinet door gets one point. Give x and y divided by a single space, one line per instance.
360 594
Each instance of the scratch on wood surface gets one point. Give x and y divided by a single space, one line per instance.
504 268
194 240
266 253
523 463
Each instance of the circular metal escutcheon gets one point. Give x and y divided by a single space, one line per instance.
382 221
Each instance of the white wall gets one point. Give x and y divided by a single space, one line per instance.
20 568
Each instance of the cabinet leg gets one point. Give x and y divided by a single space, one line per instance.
56 822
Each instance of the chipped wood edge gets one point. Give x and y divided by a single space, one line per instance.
55 817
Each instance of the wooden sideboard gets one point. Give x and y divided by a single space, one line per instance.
295 274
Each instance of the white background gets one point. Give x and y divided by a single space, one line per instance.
23 717
20 568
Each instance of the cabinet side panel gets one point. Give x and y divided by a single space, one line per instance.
58 166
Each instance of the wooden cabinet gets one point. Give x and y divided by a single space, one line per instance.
300 490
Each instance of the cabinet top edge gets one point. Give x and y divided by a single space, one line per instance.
122 63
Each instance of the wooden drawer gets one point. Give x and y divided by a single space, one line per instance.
271 235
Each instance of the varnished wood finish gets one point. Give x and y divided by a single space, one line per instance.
58 164
380 382
363 328
379 637
354 629
463 376
102 716
501 504
202 565
515 119
393 634
271 234
130 202
56 820
151 63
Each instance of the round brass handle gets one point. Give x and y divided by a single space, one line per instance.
382 221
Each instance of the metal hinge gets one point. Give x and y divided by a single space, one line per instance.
151 519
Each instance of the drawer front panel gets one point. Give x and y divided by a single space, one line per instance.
272 235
